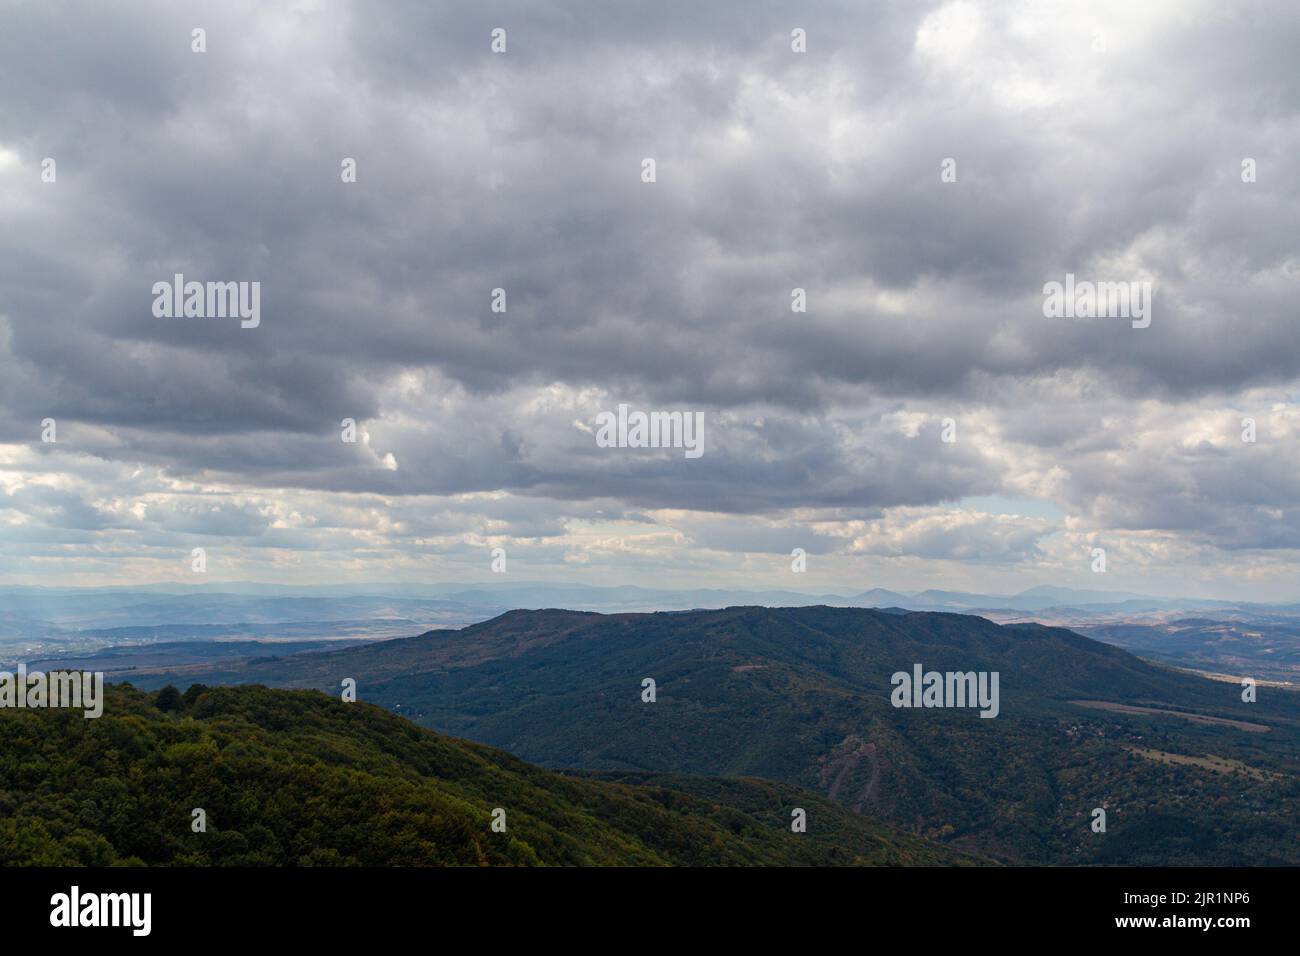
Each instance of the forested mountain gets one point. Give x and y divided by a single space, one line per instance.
299 778
1187 772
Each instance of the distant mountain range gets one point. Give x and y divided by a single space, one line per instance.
1188 773
72 610
171 624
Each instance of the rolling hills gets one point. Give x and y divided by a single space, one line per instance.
801 696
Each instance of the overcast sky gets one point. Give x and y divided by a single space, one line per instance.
1104 139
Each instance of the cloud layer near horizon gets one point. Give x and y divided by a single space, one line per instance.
775 170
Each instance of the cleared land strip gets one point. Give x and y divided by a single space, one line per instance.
1157 712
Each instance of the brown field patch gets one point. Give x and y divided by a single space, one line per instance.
1210 762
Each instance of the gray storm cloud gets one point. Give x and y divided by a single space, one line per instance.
1105 140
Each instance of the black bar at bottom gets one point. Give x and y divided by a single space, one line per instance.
330 905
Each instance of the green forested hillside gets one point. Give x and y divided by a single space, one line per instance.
801 695
299 778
